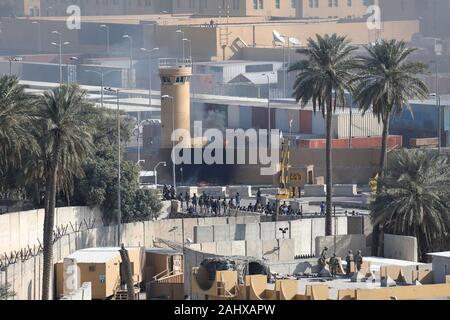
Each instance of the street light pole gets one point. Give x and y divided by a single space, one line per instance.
182 42
156 172
39 35
104 26
102 76
59 44
190 47
126 36
149 73
119 204
438 52
173 142
268 107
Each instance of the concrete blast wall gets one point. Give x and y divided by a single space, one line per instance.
400 247
303 232
18 230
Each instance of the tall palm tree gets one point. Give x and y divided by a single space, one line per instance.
385 83
322 78
63 121
15 107
415 199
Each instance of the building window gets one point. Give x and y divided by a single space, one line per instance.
261 4
255 4
92 268
277 4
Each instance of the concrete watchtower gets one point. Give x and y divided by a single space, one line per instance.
175 77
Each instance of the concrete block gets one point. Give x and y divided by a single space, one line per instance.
224 248
237 232
221 233
254 249
270 191
189 225
213 191
355 225
300 232
282 225
287 249
344 243
318 228
252 231
344 190
299 204
270 250
238 248
189 190
252 219
203 234
268 231
400 247
313 190
244 191
209 247
133 234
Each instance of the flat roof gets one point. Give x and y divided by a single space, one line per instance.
96 255
445 254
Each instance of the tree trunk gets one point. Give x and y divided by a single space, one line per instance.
377 233
127 272
329 172
50 199
384 146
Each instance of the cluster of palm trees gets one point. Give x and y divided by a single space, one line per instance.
382 79
47 137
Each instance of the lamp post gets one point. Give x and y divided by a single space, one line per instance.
156 172
119 204
190 47
173 143
438 52
11 60
268 107
39 35
126 36
149 52
102 78
182 42
60 44
104 26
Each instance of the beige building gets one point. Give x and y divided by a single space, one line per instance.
21 7
223 8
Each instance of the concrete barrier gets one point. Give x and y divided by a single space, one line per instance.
189 190
203 234
344 190
315 190
213 191
400 247
269 191
244 191
344 243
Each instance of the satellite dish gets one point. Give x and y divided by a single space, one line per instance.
277 37
295 42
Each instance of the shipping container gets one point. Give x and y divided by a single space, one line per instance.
362 126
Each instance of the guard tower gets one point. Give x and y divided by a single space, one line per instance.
175 77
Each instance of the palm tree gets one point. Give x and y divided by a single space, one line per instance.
63 122
322 78
415 199
15 107
385 83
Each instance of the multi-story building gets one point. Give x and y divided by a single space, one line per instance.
20 7
232 8
333 8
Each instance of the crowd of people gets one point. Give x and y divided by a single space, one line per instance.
206 204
